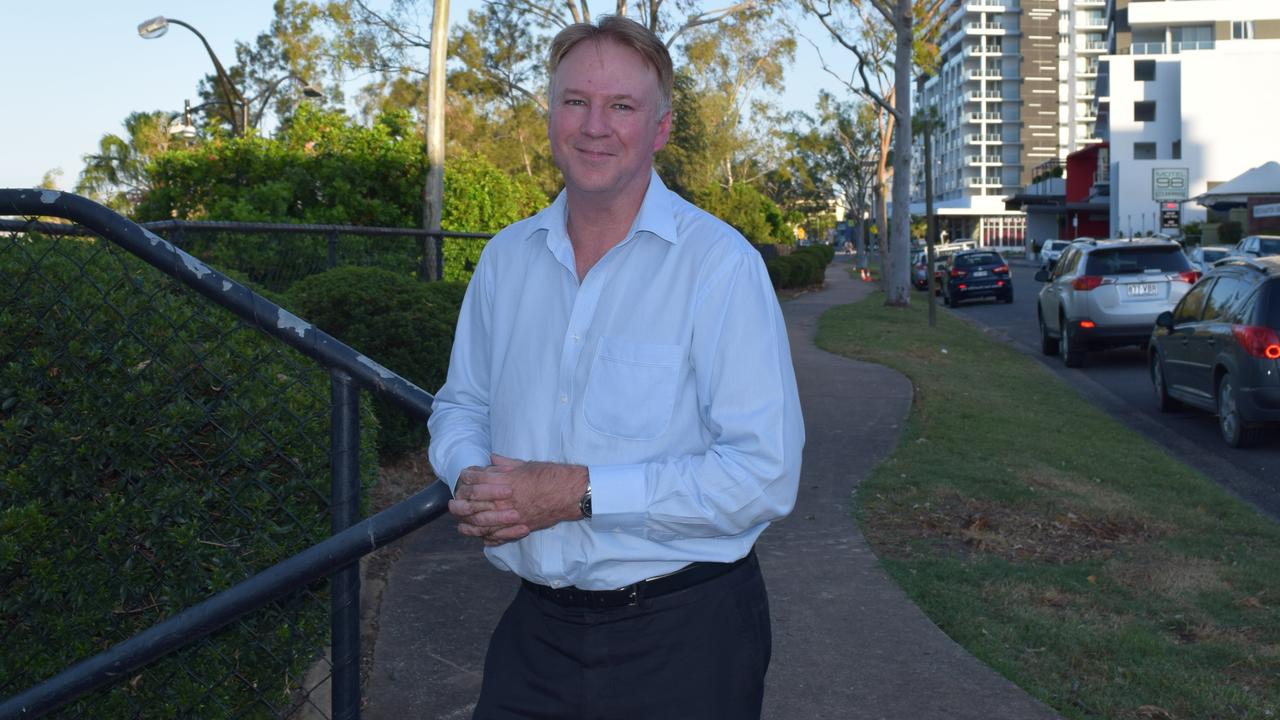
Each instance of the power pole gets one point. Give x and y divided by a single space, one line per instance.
433 190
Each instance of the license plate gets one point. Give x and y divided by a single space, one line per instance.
980 273
1141 289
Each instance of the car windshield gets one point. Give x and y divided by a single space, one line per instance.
1058 244
1212 254
1136 260
1269 246
977 259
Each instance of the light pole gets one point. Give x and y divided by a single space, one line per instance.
159 25
308 90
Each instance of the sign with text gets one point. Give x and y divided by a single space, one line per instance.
1170 215
1170 183
1266 211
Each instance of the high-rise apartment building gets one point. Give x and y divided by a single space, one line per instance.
1014 93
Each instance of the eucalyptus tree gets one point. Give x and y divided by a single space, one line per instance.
117 174
887 38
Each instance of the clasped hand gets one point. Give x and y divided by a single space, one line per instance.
512 498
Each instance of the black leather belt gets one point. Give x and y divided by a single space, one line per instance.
682 579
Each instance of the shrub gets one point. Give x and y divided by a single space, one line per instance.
804 267
481 198
154 452
402 323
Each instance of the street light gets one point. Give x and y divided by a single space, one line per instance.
308 90
159 25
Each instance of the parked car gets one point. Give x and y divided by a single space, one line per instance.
1107 293
1219 348
1257 246
1203 258
1051 250
976 273
920 269
942 255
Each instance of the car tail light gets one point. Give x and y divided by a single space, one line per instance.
1188 276
962 286
1088 324
958 273
1086 282
1261 342
1001 269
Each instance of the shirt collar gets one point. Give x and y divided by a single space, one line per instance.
656 216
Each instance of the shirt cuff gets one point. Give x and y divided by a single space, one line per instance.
617 497
461 461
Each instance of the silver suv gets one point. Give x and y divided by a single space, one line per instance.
1107 293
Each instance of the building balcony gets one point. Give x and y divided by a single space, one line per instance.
1090 71
984 28
984 117
1091 3
983 182
1159 48
985 74
982 160
1095 47
983 50
984 139
1091 21
986 5
979 95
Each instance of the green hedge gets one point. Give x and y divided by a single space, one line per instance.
402 323
803 268
152 452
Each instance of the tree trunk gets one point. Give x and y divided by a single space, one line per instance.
433 190
930 224
896 271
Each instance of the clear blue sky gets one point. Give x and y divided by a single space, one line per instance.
74 69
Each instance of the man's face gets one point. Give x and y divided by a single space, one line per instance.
604 122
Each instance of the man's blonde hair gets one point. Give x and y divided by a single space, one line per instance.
625 32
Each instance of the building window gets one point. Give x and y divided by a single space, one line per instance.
1144 151
1144 70
1177 149
1242 30
1144 111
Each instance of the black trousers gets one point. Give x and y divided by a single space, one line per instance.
697 654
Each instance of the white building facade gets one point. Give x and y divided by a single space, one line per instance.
1188 102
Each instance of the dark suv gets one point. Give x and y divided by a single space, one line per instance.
1219 348
976 273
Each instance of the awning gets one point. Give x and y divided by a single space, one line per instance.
1262 180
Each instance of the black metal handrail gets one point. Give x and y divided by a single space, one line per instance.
336 556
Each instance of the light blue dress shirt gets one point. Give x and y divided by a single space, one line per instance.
666 372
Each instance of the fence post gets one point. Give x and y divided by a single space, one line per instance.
344 456
332 237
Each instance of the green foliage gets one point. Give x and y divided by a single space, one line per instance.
401 323
324 169
154 452
744 207
480 198
803 268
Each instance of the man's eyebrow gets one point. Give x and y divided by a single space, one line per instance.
611 98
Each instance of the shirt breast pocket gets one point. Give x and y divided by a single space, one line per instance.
631 392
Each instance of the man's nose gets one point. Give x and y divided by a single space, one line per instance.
596 122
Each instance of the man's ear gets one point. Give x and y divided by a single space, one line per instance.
664 131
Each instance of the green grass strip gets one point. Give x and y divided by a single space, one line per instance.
1061 548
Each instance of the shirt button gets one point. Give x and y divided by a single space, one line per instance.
577 338
564 399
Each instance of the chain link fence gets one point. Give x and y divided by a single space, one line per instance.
155 450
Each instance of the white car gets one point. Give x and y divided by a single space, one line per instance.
1051 251
1203 258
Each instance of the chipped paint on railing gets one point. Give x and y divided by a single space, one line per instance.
288 321
381 371
48 197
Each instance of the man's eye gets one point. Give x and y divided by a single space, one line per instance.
621 106
574 101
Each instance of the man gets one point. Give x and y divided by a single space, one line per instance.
620 420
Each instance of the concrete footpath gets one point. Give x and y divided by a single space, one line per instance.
847 642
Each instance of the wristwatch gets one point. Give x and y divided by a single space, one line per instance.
585 503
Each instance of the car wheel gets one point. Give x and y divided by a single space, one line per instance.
1164 403
1048 345
1234 432
1071 350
